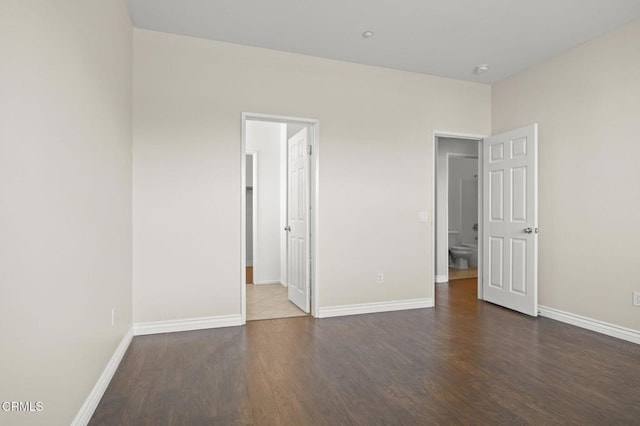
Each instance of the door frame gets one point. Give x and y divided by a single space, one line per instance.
313 188
434 162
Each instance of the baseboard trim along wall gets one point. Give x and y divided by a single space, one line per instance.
442 278
612 330
91 403
370 308
189 324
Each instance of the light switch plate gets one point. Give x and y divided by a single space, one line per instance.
422 217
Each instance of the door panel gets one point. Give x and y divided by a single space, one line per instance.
496 259
510 221
297 220
519 269
518 194
496 193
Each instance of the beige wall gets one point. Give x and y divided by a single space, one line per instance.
587 102
376 136
65 200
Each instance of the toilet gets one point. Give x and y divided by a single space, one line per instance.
473 260
460 256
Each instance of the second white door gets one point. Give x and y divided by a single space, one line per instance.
298 219
510 216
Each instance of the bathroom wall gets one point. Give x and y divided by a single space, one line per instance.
446 147
463 200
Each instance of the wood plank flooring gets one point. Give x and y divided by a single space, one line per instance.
463 362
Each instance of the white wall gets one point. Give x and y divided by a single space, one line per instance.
266 138
65 200
463 199
447 147
375 152
249 224
587 104
249 211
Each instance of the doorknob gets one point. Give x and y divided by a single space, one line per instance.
528 230
287 228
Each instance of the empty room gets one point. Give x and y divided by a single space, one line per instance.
319 213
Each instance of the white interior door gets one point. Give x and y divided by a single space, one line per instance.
297 220
510 237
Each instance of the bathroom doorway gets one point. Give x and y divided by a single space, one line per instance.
462 216
458 212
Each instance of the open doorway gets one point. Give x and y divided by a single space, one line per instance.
458 210
507 217
462 216
278 216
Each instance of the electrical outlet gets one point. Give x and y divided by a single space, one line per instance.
422 217
636 298
380 278
113 316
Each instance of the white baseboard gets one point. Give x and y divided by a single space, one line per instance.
612 330
188 324
442 278
92 401
369 308
267 282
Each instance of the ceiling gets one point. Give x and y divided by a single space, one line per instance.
440 37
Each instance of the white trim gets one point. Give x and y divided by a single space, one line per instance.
442 278
601 327
480 265
284 154
456 135
369 308
432 216
315 220
187 324
243 225
267 282
93 399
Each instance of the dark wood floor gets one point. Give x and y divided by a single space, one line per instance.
464 362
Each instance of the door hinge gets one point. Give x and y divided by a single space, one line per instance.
309 149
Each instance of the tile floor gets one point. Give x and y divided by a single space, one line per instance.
268 301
